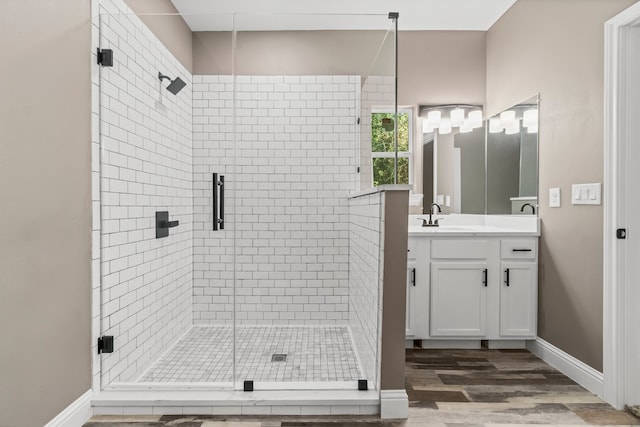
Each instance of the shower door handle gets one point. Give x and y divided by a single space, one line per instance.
221 183
218 202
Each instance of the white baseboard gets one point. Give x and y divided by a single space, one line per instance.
394 404
578 371
75 414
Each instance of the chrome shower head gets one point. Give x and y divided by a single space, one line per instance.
176 84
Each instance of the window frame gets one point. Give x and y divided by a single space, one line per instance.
391 154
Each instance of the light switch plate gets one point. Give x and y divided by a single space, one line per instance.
447 200
554 197
586 194
439 199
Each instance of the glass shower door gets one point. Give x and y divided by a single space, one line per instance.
166 275
297 159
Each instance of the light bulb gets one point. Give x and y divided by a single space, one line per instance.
530 118
475 119
427 127
445 127
466 127
457 117
495 126
508 118
434 117
513 129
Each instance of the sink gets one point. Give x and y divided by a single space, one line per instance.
453 228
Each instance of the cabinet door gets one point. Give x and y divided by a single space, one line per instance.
411 299
518 299
458 299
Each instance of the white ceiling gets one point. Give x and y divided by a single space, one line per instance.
267 15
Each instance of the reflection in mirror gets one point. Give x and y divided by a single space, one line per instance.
512 160
456 178
453 158
484 171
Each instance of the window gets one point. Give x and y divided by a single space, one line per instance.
383 150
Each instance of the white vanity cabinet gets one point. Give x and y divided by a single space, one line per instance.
472 288
519 288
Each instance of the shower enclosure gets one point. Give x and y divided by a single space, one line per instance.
221 195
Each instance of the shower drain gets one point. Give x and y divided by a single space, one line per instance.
278 357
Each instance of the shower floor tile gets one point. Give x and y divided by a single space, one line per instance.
205 354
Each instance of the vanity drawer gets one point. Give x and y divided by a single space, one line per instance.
459 249
518 249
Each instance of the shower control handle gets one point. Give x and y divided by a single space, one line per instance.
163 224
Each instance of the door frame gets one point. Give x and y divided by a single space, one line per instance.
619 133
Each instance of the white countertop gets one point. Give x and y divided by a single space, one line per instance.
461 225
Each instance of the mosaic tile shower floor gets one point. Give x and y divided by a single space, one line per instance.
205 354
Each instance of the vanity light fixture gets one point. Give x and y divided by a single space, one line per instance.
446 117
512 121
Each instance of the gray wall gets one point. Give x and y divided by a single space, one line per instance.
434 66
171 30
556 47
45 208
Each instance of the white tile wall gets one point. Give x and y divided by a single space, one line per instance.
295 146
146 166
377 92
365 279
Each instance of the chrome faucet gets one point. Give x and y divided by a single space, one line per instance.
431 223
533 209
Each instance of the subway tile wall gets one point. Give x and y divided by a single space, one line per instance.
365 279
146 166
295 145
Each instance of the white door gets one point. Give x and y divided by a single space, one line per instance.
621 204
458 299
518 295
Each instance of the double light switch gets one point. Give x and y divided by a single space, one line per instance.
586 194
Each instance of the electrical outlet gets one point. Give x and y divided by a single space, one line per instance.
439 199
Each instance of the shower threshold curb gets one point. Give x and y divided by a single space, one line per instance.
232 402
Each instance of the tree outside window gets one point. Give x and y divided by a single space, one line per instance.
383 150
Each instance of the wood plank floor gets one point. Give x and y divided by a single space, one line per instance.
448 388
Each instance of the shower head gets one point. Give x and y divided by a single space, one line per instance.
176 84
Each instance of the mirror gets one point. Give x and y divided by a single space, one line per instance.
512 160
489 170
